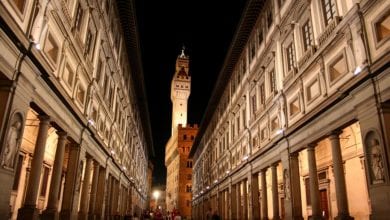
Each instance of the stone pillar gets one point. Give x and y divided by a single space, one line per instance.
275 192
107 208
245 194
99 201
264 204
29 210
239 201
95 180
71 194
51 211
233 202
338 170
255 196
314 190
84 201
295 187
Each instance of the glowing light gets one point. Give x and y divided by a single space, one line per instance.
357 70
280 131
245 157
38 46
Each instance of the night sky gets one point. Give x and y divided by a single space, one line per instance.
206 29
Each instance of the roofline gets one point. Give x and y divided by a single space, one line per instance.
127 15
239 41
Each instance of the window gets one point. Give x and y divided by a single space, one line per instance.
290 57
272 81
254 104
382 27
262 94
20 5
188 203
51 48
270 16
89 41
189 176
294 107
45 179
329 10
189 164
260 36
307 34
185 137
79 17
252 49
338 68
243 118
99 70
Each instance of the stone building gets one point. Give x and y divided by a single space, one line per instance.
298 126
74 129
179 166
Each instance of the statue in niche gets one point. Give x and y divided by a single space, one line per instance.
286 184
12 144
376 162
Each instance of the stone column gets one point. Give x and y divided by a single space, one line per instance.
29 210
295 187
99 200
245 194
95 180
255 196
85 190
239 201
51 211
264 204
233 202
275 192
70 194
338 170
314 190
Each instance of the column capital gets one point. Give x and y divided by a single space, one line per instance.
44 118
62 134
311 146
335 134
294 154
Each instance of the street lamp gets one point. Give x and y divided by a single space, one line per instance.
156 194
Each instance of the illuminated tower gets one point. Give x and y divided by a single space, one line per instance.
180 91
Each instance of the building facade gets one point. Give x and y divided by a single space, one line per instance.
74 136
179 166
298 126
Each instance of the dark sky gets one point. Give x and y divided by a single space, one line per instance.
206 28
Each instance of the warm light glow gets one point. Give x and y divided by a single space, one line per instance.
156 194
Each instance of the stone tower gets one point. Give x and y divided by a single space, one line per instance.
180 91
179 166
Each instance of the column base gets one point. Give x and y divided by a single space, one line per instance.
343 217
50 214
28 213
67 214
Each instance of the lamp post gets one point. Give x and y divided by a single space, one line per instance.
156 194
